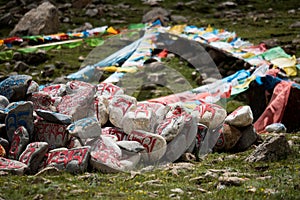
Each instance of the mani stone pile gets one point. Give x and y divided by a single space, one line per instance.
79 126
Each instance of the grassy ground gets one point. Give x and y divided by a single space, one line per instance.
199 180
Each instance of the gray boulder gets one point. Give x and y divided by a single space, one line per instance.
42 20
274 148
156 13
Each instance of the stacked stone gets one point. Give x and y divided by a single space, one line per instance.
79 126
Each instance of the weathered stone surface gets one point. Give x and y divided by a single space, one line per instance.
172 125
72 160
211 115
229 136
19 114
12 166
232 180
101 108
241 117
295 25
145 116
34 155
20 66
156 13
272 149
19 142
14 87
118 106
179 19
85 128
248 137
79 101
131 146
54 134
54 117
276 128
155 145
106 155
3 101
42 20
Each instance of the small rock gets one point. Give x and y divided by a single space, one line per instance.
232 180
179 19
292 11
48 171
295 25
227 4
156 13
84 27
276 128
91 12
272 149
177 190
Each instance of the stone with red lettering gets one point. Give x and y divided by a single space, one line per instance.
14 88
118 106
55 90
183 140
34 155
85 128
101 108
229 136
201 134
106 155
12 166
155 145
42 101
173 124
19 142
73 160
145 116
19 114
116 132
108 90
79 102
56 135
211 115
54 117
77 86
241 117
3 101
